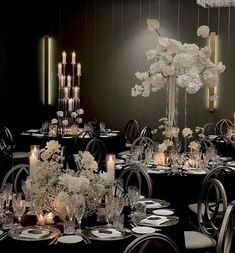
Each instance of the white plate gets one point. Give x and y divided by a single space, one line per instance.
33 131
143 230
1 232
163 212
70 239
231 163
196 172
115 131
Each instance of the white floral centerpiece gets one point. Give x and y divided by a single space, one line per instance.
175 63
54 186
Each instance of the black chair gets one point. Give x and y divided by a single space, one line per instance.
10 147
209 216
210 129
14 175
131 131
98 149
223 125
136 174
225 237
147 132
154 242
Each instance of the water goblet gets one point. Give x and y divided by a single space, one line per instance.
134 195
18 205
79 206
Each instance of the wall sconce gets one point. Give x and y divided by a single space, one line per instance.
212 91
47 71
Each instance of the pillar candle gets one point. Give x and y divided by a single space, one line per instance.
70 105
75 92
73 58
78 69
33 164
41 219
159 158
69 81
110 166
59 69
66 92
63 58
50 218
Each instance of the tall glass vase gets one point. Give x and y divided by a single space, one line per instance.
172 101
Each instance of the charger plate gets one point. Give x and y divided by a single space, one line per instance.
172 220
14 233
148 201
88 232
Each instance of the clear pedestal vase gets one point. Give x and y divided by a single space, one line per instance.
172 101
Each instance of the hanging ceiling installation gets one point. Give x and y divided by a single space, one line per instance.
216 3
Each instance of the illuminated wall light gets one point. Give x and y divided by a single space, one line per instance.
212 91
48 71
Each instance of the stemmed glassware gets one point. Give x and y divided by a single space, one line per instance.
79 205
7 191
134 196
18 205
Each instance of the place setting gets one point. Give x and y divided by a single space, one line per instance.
106 233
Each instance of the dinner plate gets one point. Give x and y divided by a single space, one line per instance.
195 171
15 233
70 239
90 233
163 212
231 163
33 131
154 171
143 230
119 161
115 131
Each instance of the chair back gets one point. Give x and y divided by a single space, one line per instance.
135 173
210 129
7 139
16 173
226 233
87 134
153 242
131 131
212 205
98 149
146 131
223 125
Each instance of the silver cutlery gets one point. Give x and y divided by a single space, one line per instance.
55 240
85 238
3 236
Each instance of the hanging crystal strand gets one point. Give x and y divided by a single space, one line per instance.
185 119
171 101
185 108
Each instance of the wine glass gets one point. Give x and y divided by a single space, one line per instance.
18 205
134 196
7 191
79 211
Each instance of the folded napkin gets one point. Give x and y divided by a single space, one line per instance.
154 220
150 203
34 233
106 233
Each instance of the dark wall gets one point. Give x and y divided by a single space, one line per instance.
111 39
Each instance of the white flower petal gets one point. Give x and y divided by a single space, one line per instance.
153 24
